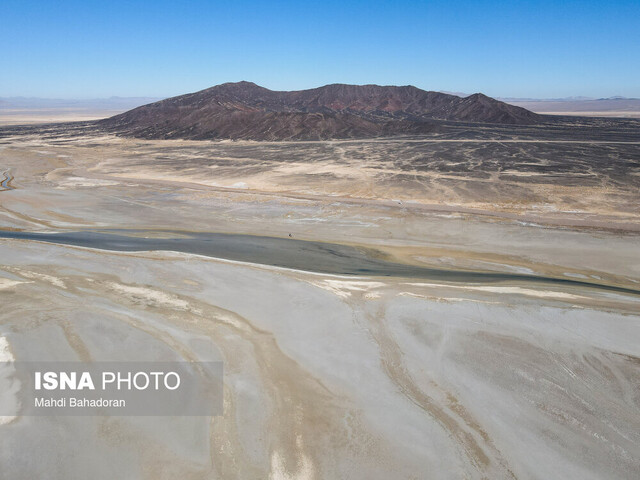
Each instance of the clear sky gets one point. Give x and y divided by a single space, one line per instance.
84 49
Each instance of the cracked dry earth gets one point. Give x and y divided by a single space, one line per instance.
333 376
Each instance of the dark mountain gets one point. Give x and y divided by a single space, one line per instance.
245 110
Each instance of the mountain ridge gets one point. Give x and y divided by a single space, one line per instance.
245 110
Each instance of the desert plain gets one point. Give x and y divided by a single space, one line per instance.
509 349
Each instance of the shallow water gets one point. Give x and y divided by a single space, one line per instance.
310 256
5 184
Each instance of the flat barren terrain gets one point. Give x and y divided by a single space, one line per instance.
464 304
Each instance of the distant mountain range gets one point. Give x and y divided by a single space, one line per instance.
563 99
108 104
245 110
612 106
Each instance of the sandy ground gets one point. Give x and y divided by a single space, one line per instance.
329 377
52 115
596 113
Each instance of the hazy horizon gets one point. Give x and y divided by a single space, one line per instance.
576 97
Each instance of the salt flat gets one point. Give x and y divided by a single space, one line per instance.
335 376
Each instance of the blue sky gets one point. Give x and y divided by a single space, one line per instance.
69 49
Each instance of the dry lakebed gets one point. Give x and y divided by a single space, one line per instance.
459 305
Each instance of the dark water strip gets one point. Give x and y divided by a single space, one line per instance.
319 257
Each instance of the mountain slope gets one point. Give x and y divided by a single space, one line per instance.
245 110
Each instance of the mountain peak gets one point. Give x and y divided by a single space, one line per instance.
242 85
480 96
